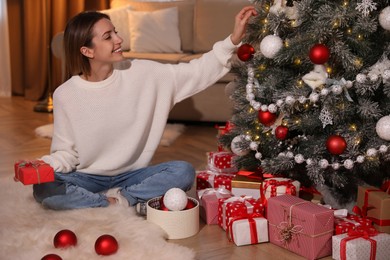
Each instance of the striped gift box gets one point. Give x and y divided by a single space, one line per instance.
300 226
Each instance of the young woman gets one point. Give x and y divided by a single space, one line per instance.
108 123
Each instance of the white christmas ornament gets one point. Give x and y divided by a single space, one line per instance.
316 77
270 46
175 199
383 128
235 146
384 18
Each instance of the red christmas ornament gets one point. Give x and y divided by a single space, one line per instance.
106 245
336 144
64 238
51 257
281 132
266 118
245 52
190 204
319 54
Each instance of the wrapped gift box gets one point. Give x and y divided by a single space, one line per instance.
279 186
350 222
209 179
300 226
33 172
221 161
208 202
375 205
237 207
247 231
244 185
366 245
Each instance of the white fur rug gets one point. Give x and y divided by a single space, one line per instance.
27 230
171 132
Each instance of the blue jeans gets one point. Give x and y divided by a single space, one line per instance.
80 190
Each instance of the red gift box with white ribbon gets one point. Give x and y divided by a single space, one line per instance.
221 161
210 179
236 207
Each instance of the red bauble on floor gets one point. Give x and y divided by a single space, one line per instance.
51 257
64 238
106 245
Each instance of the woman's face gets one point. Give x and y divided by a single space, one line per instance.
106 44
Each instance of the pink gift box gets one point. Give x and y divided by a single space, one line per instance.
237 207
221 161
208 202
211 179
300 226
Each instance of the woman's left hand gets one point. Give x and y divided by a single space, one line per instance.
241 20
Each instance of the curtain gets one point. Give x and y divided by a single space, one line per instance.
5 63
35 72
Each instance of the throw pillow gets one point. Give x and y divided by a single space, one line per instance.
156 31
120 20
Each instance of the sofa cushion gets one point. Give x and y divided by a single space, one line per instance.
214 21
156 31
119 19
186 16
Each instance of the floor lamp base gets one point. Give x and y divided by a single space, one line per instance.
45 106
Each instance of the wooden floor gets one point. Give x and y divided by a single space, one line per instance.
18 141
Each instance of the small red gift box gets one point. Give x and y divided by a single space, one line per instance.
33 172
252 229
221 162
237 207
211 179
279 186
208 202
350 222
300 226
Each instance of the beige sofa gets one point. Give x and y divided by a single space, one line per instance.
200 24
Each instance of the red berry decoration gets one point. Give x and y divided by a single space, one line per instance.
51 257
245 52
64 238
319 54
266 118
106 245
336 144
281 132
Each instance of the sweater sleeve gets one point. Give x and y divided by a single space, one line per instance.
198 74
63 153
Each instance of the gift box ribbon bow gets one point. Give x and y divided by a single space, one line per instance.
31 164
290 188
252 227
219 192
360 232
363 211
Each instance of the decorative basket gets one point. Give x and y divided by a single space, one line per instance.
177 224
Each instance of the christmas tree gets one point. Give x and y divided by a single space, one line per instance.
312 95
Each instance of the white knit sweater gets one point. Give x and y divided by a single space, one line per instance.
115 125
